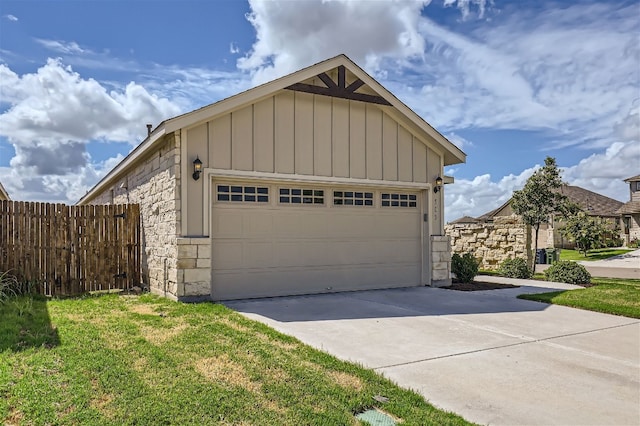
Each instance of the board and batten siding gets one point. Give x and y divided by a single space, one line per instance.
305 134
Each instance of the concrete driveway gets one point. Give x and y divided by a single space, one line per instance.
487 356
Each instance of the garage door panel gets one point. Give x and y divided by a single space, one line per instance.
227 255
303 252
227 224
398 225
273 250
264 283
343 222
299 224
258 224
348 252
261 254
396 251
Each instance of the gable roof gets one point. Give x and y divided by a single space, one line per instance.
632 207
465 219
592 203
633 179
396 109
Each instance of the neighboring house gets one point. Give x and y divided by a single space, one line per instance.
319 181
630 212
549 235
3 193
499 234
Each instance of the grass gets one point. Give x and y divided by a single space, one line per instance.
146 360
608 295
596 254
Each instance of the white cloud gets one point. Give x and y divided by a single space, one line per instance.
233 48
293 35
55 103
11 18
458 141
480 195
53 113
63 47
602 172
571 71
191 88
568 71
465 6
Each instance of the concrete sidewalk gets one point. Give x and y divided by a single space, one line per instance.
488 356
623 266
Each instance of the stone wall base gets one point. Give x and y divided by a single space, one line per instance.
194 268
440 259
441 283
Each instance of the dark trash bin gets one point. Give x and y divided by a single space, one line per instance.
541 256
551 256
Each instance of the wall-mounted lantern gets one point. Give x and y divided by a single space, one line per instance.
438 185
197 168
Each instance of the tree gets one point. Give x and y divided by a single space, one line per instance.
539 198
586 231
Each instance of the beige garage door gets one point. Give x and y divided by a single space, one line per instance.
279 239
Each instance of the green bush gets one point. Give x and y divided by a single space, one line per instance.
515 268
566 271
465 267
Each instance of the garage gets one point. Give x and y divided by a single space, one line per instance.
319 181
274 239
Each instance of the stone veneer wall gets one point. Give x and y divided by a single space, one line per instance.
155 185
194 268
507 237
440 260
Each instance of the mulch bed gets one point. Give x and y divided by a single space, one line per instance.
478 286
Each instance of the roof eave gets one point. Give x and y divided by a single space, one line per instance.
138 153
452 155
4 192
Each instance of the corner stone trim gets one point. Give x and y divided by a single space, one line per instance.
440 261
194 267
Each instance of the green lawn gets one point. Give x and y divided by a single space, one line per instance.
608 295
146 360
596 254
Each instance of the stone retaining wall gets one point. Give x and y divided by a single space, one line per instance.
506 237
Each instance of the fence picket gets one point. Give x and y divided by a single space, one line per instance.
68 250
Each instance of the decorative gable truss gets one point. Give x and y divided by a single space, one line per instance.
339 89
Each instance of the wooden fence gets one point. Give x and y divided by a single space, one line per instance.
70 250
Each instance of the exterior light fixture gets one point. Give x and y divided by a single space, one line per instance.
438 185
197 168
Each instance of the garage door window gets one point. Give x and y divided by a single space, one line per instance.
399 200
352 198
240 193
301 196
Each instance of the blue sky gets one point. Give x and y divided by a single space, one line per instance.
510 82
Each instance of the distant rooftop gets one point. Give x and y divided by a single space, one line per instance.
592 203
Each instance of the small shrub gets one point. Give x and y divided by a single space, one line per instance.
515 268
568 272
465 267
8 286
